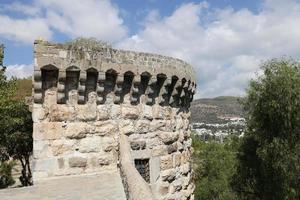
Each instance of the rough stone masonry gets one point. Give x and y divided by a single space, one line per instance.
103 109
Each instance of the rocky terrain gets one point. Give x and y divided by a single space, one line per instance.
216 110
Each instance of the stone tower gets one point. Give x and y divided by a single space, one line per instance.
100 109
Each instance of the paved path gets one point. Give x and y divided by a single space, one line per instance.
106 186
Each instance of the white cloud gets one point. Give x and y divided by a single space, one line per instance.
74 18
225 46
24 30
20 71
93 18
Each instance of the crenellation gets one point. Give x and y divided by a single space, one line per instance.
107 109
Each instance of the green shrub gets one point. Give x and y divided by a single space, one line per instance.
6 178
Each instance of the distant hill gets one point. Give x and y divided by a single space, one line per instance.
216 110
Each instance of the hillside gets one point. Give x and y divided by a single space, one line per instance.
215 110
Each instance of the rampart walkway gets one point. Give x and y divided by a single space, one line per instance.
105 186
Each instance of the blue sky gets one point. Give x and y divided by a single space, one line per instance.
225 40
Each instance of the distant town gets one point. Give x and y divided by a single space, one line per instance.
217 118
217 131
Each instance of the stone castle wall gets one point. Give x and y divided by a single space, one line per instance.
85 101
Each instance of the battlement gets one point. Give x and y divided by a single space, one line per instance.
162 80
98 109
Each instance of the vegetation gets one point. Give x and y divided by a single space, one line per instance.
79 45
214 165
24 88
265 163
1 54
89 43
16 131
269 156
6 178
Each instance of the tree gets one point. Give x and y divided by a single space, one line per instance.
214 165
269 156
5 165
15 127
1 54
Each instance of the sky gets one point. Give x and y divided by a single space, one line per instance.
226 41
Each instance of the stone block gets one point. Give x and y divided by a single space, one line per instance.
179 123
172 148
87 112
40 145
126 127
142 126
187 143
186 124
147 112
187 134
177 184
63 54
61 113
115 111
166 162
176 159
102 112
50 97
77 161
93 161
60 147
175 196
159 150
186 181
153 142
109 127
185 157
138 145
38 113
168 113
190 189
174 112
157 112
47 131
90 144
104 160
168 126
185 168
48 165
164 189
181 136
73 98
109 144
130 112
76 130
168 175
157 125
168 137
179 146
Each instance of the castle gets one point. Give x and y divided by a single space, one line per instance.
100 109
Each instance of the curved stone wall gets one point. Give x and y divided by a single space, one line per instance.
85 100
